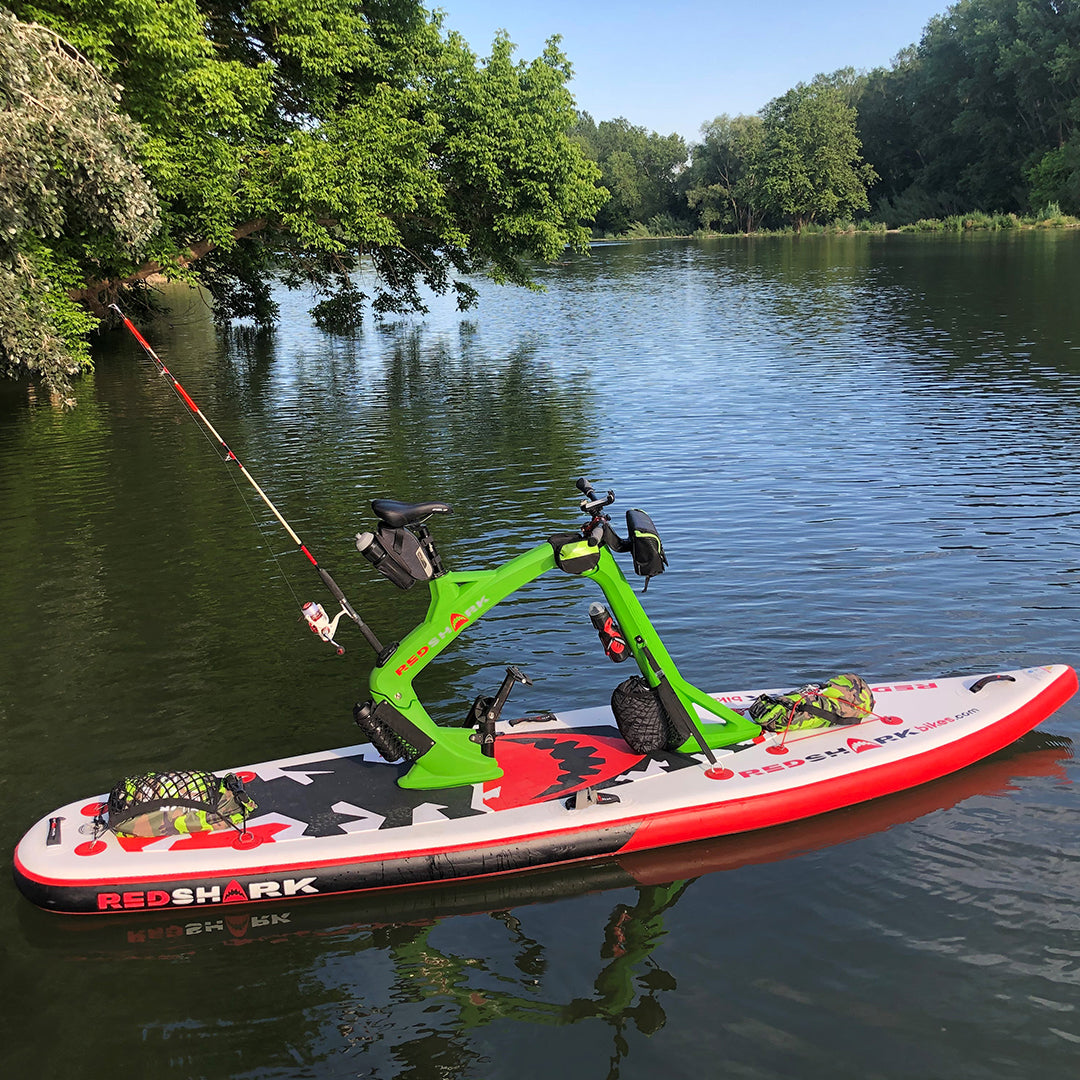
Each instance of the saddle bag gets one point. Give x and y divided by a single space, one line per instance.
397 554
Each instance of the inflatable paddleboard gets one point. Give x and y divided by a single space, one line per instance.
1035 756
572 789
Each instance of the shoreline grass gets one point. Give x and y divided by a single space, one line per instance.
975 221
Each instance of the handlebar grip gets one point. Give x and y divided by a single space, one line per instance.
585 487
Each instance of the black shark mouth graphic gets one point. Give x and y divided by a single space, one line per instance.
341 794
349 793
579 764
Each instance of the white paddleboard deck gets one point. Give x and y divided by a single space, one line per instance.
336 821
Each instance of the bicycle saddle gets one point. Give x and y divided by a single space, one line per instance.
399 514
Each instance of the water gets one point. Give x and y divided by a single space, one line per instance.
860 453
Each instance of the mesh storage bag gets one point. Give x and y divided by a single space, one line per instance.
844 699
642 721
171 803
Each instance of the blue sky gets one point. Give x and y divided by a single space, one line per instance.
674 66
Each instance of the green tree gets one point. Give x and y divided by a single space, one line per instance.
69 193
724 183
308 140
886 127
811 163
966 119
1039 54
980 113
1055 179
640 170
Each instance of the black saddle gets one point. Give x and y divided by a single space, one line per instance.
399 514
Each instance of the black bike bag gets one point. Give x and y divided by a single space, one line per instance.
397 554
645 545
573 553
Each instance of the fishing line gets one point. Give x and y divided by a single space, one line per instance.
263 539
317 619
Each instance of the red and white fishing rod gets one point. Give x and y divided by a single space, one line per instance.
316 617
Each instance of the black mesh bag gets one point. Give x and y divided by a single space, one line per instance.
172 803
642 721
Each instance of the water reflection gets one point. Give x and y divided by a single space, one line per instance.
457 995
856 463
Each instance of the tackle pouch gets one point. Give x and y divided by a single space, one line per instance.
645 545
176 803
397 554
573 553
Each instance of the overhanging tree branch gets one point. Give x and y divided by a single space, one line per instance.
97 295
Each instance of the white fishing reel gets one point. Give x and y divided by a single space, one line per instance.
320 623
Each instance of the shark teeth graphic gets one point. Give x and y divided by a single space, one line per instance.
577 763
861 745
234 893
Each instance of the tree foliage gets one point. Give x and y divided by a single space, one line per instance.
811 163
640 169
982 113
724 183
310 139
796 162
70 194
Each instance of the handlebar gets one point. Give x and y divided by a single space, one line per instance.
598 530
592 503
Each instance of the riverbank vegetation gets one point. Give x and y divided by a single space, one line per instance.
979 119
665 227
242 143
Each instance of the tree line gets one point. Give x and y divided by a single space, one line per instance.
241 144
982 114
796 162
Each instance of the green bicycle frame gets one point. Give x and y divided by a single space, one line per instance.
458 600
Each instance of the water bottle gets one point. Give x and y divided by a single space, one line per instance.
611 637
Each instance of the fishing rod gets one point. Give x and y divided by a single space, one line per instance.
317 619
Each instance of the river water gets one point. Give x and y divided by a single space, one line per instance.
861 454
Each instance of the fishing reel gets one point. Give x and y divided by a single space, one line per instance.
320 623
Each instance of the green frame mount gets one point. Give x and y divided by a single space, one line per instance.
460 599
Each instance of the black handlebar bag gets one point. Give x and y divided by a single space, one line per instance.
646 547
573 553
